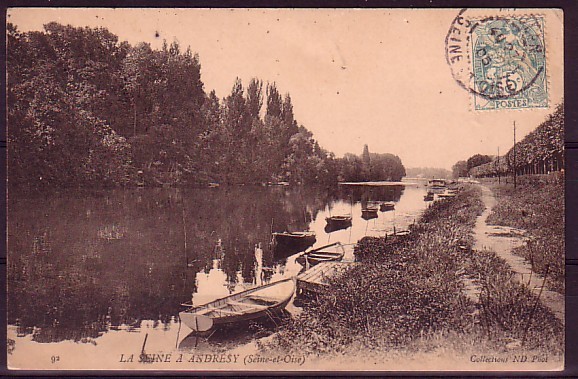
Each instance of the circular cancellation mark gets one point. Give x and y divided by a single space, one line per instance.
498 57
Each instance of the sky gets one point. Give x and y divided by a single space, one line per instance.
374 76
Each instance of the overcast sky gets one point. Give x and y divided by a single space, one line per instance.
376 77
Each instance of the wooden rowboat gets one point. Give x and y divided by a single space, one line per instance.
337 223
388 206
327 253
252 304
295 238
338 220
369 212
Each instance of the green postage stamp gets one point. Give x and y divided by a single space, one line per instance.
506 56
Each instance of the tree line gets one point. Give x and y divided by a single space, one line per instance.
87 110
371 167
540 152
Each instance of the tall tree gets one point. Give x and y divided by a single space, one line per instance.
366 160
477 160
255 98
460 169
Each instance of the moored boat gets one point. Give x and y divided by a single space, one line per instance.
294 238
327 253
337 222
387 206
243 306
369 212
437 184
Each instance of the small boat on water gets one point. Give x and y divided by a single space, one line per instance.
369 213
387 206
370 208
243 306
437 184
338 222
294 238
327 253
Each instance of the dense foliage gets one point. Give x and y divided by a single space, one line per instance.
87 110
477 160
460 169
370 167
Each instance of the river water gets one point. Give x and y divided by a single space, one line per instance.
104 273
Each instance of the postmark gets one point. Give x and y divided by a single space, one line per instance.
500 60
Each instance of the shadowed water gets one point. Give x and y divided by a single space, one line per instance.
82 264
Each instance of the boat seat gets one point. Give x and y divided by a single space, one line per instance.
257 306
227 311
263 298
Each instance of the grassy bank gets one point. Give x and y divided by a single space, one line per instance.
536 205
409 296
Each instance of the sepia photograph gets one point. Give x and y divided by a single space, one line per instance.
285 190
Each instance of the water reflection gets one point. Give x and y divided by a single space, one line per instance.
81 264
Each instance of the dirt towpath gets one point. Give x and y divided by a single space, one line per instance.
501 240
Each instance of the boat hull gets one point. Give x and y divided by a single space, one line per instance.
297 241
202 323
322 254
386 207
196 323
368 214
334 224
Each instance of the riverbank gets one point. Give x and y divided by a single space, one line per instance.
414 298
537 207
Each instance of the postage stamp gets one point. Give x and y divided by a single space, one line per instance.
501 60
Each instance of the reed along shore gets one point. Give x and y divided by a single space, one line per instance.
429 291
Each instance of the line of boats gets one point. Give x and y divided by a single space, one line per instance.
443 188
271 299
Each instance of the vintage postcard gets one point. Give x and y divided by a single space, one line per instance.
236 190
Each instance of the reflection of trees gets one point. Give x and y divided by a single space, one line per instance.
364 194
82 263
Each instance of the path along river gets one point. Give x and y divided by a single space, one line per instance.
502 240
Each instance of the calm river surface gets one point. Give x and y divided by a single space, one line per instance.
96 272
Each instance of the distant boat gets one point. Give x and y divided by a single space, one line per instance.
369 212
437 183
327 253
213 185
387 206
295 238
247 305
337 222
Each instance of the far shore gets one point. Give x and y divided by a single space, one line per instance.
378 184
